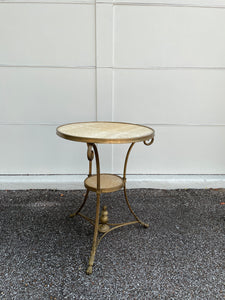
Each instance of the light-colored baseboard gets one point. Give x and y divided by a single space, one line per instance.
74 182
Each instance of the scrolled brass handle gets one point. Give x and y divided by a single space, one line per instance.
149 143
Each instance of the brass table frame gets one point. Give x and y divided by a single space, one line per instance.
100 222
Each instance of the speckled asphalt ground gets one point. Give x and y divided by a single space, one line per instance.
44 254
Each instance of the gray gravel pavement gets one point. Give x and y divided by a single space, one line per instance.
44 253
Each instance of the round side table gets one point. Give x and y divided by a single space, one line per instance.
93 133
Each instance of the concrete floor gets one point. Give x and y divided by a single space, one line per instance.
44 254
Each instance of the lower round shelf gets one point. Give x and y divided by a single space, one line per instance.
108 183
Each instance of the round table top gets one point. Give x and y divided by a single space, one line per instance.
105 132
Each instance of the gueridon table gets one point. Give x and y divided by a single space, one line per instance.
93 133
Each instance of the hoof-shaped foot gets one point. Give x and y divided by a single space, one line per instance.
89 270
146 225
72 215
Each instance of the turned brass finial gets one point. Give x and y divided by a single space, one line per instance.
103 227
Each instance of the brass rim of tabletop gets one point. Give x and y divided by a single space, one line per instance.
87 139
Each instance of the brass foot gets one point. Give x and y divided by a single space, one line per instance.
103 227
145 225
89 270
72 215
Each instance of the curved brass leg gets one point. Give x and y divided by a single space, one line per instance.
95 242
125 191
82 205
90 156
95 237
131 210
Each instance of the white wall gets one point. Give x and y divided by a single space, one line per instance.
47 77
158 63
